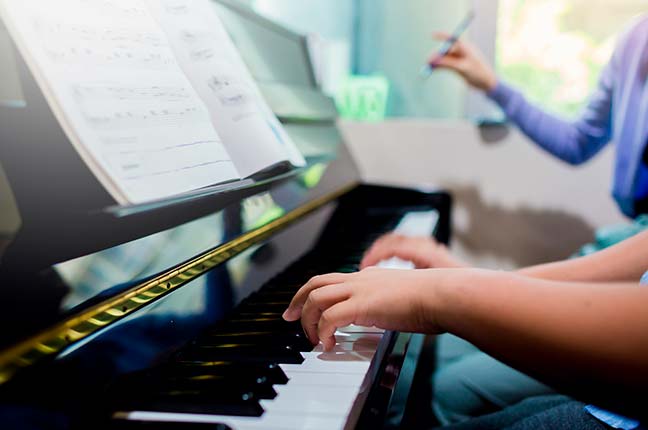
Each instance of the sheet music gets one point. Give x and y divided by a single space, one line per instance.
115 85
252 134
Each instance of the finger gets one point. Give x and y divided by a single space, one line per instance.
339 315
458 47
411 250
441 35
373 256
293 313
319 301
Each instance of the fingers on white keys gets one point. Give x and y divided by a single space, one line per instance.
339 315
293 313
317 303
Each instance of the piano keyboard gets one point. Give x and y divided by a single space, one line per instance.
255 371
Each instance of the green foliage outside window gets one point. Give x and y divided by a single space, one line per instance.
554 50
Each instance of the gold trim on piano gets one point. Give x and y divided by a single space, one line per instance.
78 327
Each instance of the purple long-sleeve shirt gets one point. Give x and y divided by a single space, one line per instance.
617 112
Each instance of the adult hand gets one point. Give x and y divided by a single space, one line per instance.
389 299
466 60
425 253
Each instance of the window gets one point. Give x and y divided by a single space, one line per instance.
554 50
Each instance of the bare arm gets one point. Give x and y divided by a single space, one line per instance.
624 262
590 340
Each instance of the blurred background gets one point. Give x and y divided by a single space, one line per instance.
553 49
409 131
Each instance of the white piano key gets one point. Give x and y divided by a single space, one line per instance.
359 329
352 337
275 421
315 379
357 346
339 356
315 366
299 396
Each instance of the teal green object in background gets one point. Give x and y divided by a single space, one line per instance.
363 98
611 235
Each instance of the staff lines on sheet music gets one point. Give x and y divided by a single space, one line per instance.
179 169
143 119
168 147
153 94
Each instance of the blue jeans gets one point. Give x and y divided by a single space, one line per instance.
470 383
537 413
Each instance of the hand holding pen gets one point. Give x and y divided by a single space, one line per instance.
463 58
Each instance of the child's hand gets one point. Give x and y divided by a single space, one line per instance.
385 298
425 253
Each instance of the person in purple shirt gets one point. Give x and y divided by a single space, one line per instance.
617 112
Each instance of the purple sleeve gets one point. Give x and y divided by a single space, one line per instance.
572 141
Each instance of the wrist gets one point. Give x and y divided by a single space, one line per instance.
454 293
490 82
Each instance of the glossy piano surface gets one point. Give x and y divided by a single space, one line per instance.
219 319
174 307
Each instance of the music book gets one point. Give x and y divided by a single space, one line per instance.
152 93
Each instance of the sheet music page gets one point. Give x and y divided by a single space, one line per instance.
113 81
251 132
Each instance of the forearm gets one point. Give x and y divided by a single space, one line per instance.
624 262
569 141
580 337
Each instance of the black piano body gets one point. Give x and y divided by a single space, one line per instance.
107 309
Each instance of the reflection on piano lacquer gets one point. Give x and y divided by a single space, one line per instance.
255 371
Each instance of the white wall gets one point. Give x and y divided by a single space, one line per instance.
516 205
395 39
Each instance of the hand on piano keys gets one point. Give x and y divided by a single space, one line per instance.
421 252
399 300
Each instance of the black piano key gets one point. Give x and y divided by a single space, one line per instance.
297 341
175 379
245 353
272 372
192 403
124 424
275 324
252 307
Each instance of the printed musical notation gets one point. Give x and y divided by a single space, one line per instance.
229 91
132 107
129 120
153 94
200 45
106 47
135 117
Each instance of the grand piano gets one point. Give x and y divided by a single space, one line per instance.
167 315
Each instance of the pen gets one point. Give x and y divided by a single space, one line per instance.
427 70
